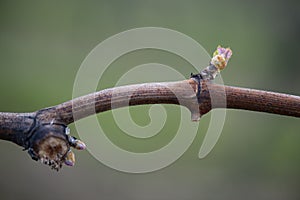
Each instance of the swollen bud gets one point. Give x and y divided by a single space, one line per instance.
70 158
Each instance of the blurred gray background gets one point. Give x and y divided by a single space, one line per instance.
42 44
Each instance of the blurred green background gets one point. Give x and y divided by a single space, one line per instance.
42 44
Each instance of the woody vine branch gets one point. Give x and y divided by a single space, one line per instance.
45 133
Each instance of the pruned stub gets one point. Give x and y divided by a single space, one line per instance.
50 145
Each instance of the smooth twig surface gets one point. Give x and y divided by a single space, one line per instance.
263 101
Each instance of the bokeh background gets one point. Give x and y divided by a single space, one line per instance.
42 44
